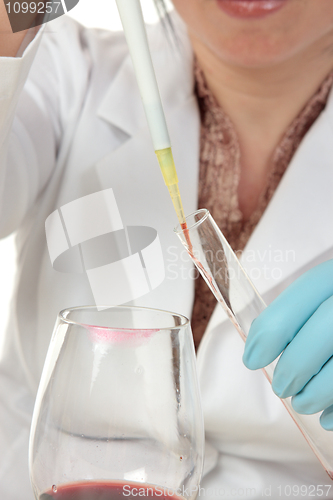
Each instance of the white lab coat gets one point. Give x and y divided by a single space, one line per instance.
78 128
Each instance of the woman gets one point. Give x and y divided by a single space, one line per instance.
248 80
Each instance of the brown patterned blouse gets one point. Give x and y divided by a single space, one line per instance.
219 177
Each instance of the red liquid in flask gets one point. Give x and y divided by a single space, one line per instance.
107 490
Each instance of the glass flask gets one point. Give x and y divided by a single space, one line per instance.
118 408
222 271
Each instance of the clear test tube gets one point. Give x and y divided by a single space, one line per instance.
236 293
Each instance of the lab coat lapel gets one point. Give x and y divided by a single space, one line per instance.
296 228
122 106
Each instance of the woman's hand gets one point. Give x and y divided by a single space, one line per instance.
299 324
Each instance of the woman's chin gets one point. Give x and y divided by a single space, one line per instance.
250 52
258 33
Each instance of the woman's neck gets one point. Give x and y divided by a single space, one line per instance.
261 103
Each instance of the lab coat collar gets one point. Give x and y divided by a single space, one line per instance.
172 61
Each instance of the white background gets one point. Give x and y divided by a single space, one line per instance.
92 13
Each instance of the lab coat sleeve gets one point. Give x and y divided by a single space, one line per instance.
13 74
38 94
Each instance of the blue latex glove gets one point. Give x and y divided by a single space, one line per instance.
299 323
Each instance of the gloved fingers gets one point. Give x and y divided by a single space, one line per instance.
326 419
306 354
317 395
278 324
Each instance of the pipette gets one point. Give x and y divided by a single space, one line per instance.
135 32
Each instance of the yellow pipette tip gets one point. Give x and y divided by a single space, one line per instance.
168 168
177 202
